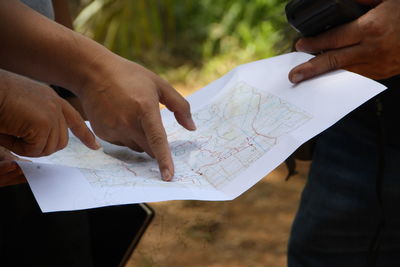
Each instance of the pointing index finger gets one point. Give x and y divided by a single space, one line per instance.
158 143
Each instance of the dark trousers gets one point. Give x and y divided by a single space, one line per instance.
29 237
349 213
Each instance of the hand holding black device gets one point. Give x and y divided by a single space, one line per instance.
312 17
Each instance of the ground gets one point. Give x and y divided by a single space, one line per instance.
251 230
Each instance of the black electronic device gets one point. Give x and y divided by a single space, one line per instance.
100 237
115 232
312 17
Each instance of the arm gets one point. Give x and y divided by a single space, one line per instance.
120 98
42 49
63 17
368 46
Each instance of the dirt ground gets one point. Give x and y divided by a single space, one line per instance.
251 230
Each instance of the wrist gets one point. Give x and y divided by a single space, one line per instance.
95 71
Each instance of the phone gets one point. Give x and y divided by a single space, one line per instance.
312 17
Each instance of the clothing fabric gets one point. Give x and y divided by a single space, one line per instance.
29 237
44 7
349 210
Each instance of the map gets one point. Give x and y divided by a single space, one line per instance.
248 122
236 129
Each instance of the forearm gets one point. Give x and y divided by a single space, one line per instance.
45 50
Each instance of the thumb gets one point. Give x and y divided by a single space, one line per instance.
5 154
10 174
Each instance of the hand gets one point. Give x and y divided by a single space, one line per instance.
10 172
122 105
120 98
368 46
34 121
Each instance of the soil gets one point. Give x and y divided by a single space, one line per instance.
251 230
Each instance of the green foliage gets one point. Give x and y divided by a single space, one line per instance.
185 34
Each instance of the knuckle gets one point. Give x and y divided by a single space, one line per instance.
372 27
125 122
145 106
156 140
333 62
43 122
53 106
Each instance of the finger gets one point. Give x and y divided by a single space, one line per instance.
5 154
52 142
332 60
78 126
13 177
20 147
339 37
178 105
157 141
63 134
7 167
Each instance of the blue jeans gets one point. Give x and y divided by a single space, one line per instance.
349 213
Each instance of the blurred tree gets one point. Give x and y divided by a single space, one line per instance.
189 42
176 32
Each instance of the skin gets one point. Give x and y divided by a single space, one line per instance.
34 120
368 46
10 172
119 97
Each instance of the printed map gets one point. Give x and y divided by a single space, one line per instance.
236 129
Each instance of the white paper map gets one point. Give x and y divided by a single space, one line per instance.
248 122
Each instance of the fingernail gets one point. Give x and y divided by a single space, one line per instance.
298 77
166 175
192 125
